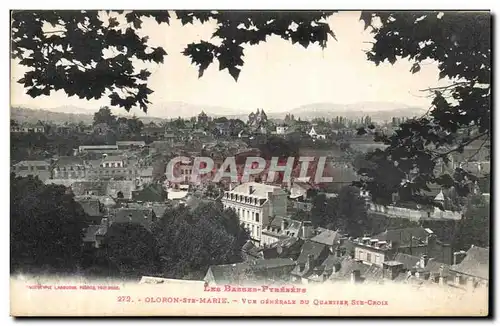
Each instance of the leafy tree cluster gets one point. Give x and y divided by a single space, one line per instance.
474 228
132 249
68 55
189 241
131 126
46 227
346 212
460 44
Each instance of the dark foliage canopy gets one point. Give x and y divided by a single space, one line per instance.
91 54
132 248
46 227
460 112
189 241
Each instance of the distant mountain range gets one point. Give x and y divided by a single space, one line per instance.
33 115
378 111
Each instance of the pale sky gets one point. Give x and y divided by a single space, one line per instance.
276 76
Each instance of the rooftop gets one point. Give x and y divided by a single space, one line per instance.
327 237
475 263
32 163
259 190
113 158
69 160
404 237
310 248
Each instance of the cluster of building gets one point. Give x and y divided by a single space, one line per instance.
304 255
104 162
117 184
283 250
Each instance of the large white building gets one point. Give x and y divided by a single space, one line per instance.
256 204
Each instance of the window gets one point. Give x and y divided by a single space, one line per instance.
253 216
257 217
368 257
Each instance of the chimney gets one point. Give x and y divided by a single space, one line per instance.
392 269
250 190
279 249
425 275
338 252
310 261
424 259
356 276
442 277
458 257
431 240
343 251
307 229
283 225
470 283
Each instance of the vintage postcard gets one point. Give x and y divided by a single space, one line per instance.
250 163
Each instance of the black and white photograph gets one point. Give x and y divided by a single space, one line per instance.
250 163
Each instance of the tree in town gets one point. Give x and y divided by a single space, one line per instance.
191 241
474 228
346 212
104 115
132 249
46 227
236 125
351 209
274 146
135 125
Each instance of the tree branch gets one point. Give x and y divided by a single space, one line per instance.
462 145
476 152
443 88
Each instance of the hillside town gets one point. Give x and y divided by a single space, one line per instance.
283 233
